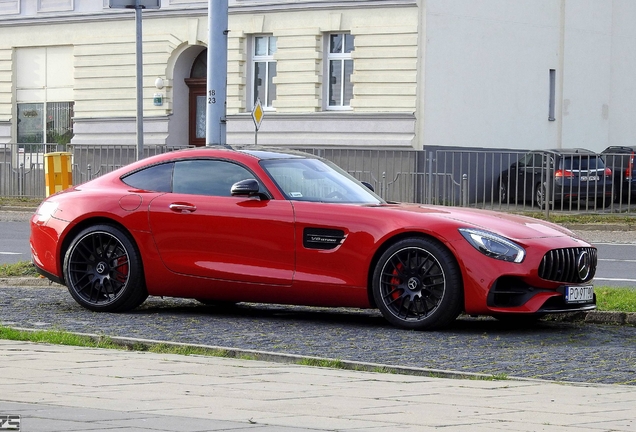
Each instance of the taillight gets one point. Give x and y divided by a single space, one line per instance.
608 172
564 174
630 168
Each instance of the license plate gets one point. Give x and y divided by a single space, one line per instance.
579 294
590 178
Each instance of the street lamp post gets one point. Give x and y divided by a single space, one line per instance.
138 6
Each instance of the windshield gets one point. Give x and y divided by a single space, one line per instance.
317 180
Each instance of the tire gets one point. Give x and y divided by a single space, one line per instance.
503 193
601 203
417 285
103 270
539 195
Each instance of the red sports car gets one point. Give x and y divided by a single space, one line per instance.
272 226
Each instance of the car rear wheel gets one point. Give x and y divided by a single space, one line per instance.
417 285
503 193
539 196
103 270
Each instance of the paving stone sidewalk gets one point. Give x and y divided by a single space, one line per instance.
61 388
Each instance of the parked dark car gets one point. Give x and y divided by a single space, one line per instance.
578 177
621 161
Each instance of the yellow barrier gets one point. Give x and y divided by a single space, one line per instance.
57 171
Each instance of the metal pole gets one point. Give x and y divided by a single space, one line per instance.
217 73
140 83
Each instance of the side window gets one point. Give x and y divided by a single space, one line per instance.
538 160
156 178
526 160
207 177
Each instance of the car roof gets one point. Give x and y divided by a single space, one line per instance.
264 153
568 151
618 149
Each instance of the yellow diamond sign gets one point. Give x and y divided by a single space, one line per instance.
257 114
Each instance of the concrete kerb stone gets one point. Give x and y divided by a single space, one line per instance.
600 226
606 317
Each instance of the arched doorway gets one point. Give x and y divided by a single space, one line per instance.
197 87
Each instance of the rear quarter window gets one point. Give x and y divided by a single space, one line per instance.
157 178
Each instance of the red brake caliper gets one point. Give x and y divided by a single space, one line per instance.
122 269
395 281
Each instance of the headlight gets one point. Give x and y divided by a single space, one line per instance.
46 210
493 245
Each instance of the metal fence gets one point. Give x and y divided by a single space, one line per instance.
490 179
22 165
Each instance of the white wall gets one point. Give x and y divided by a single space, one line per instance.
586 73
486 76
622 103
486 73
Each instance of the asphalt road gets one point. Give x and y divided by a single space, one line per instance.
14 242
617 265
563 351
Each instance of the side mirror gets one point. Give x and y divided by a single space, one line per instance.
247 187
368 186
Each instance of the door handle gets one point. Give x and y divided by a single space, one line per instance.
182 208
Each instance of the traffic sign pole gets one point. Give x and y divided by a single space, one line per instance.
257 116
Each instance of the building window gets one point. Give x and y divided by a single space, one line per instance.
45 123
44 94
340 70
264 70
552 98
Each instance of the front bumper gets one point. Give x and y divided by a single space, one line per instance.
510 294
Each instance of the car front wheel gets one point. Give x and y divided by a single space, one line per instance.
103 270
417 285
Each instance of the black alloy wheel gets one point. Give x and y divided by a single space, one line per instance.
417 285
103 270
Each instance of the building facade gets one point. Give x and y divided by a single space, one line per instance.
391 74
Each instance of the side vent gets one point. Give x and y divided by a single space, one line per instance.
322 238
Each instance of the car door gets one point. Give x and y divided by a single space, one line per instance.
201 230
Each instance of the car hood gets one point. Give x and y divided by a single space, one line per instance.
508 225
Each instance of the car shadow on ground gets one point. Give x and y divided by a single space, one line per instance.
370 318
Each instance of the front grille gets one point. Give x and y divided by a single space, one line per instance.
568 265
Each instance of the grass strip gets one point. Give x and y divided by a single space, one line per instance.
615 299
19 269
57 337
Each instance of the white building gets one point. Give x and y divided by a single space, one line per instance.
403 74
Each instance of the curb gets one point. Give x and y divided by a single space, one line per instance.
593 317
600 227
18 209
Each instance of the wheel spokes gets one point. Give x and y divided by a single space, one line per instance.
98 268
412 284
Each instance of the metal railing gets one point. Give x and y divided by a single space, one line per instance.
22 172
489 179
